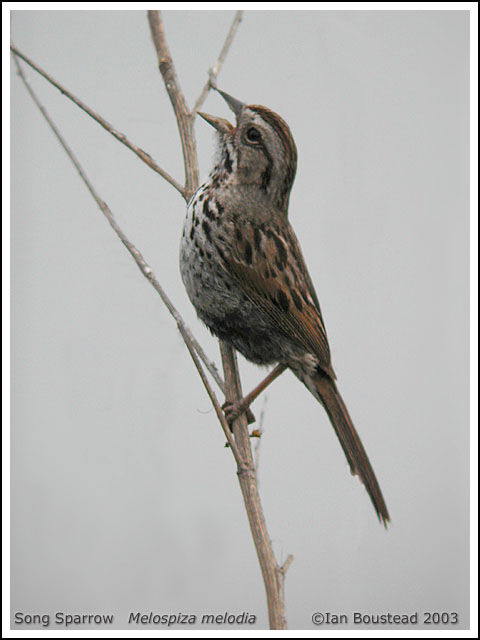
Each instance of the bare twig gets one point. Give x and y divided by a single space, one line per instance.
271 572
282 572
121 137
284 568
260 430
142 264
211 366
241 465
215 70
184 119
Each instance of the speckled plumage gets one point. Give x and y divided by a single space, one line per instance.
244 272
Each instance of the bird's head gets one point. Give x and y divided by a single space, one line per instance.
259 150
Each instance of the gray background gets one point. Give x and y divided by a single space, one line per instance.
124 498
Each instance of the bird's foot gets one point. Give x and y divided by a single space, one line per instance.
234 409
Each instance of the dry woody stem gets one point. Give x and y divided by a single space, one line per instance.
215 70
184 119
237 436
121 137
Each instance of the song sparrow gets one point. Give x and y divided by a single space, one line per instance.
244 271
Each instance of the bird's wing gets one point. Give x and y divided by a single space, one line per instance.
267 262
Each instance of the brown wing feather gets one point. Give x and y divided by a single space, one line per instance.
268 264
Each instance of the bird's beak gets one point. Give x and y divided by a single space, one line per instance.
220 124
235 105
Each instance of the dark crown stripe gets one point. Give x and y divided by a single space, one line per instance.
282 130
279 125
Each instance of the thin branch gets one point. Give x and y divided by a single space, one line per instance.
142 264
284 568
218 409
217 67
211 366
272 576
121 137
180 108
260 430
282 572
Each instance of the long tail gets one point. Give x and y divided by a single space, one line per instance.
325 390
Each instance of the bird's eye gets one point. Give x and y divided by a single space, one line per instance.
253 135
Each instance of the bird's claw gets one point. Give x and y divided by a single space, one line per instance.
234 409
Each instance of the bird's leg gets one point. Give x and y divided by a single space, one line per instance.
234 409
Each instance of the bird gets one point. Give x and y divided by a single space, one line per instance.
245 274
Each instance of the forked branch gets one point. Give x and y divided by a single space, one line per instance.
217 67
121 137
175 93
